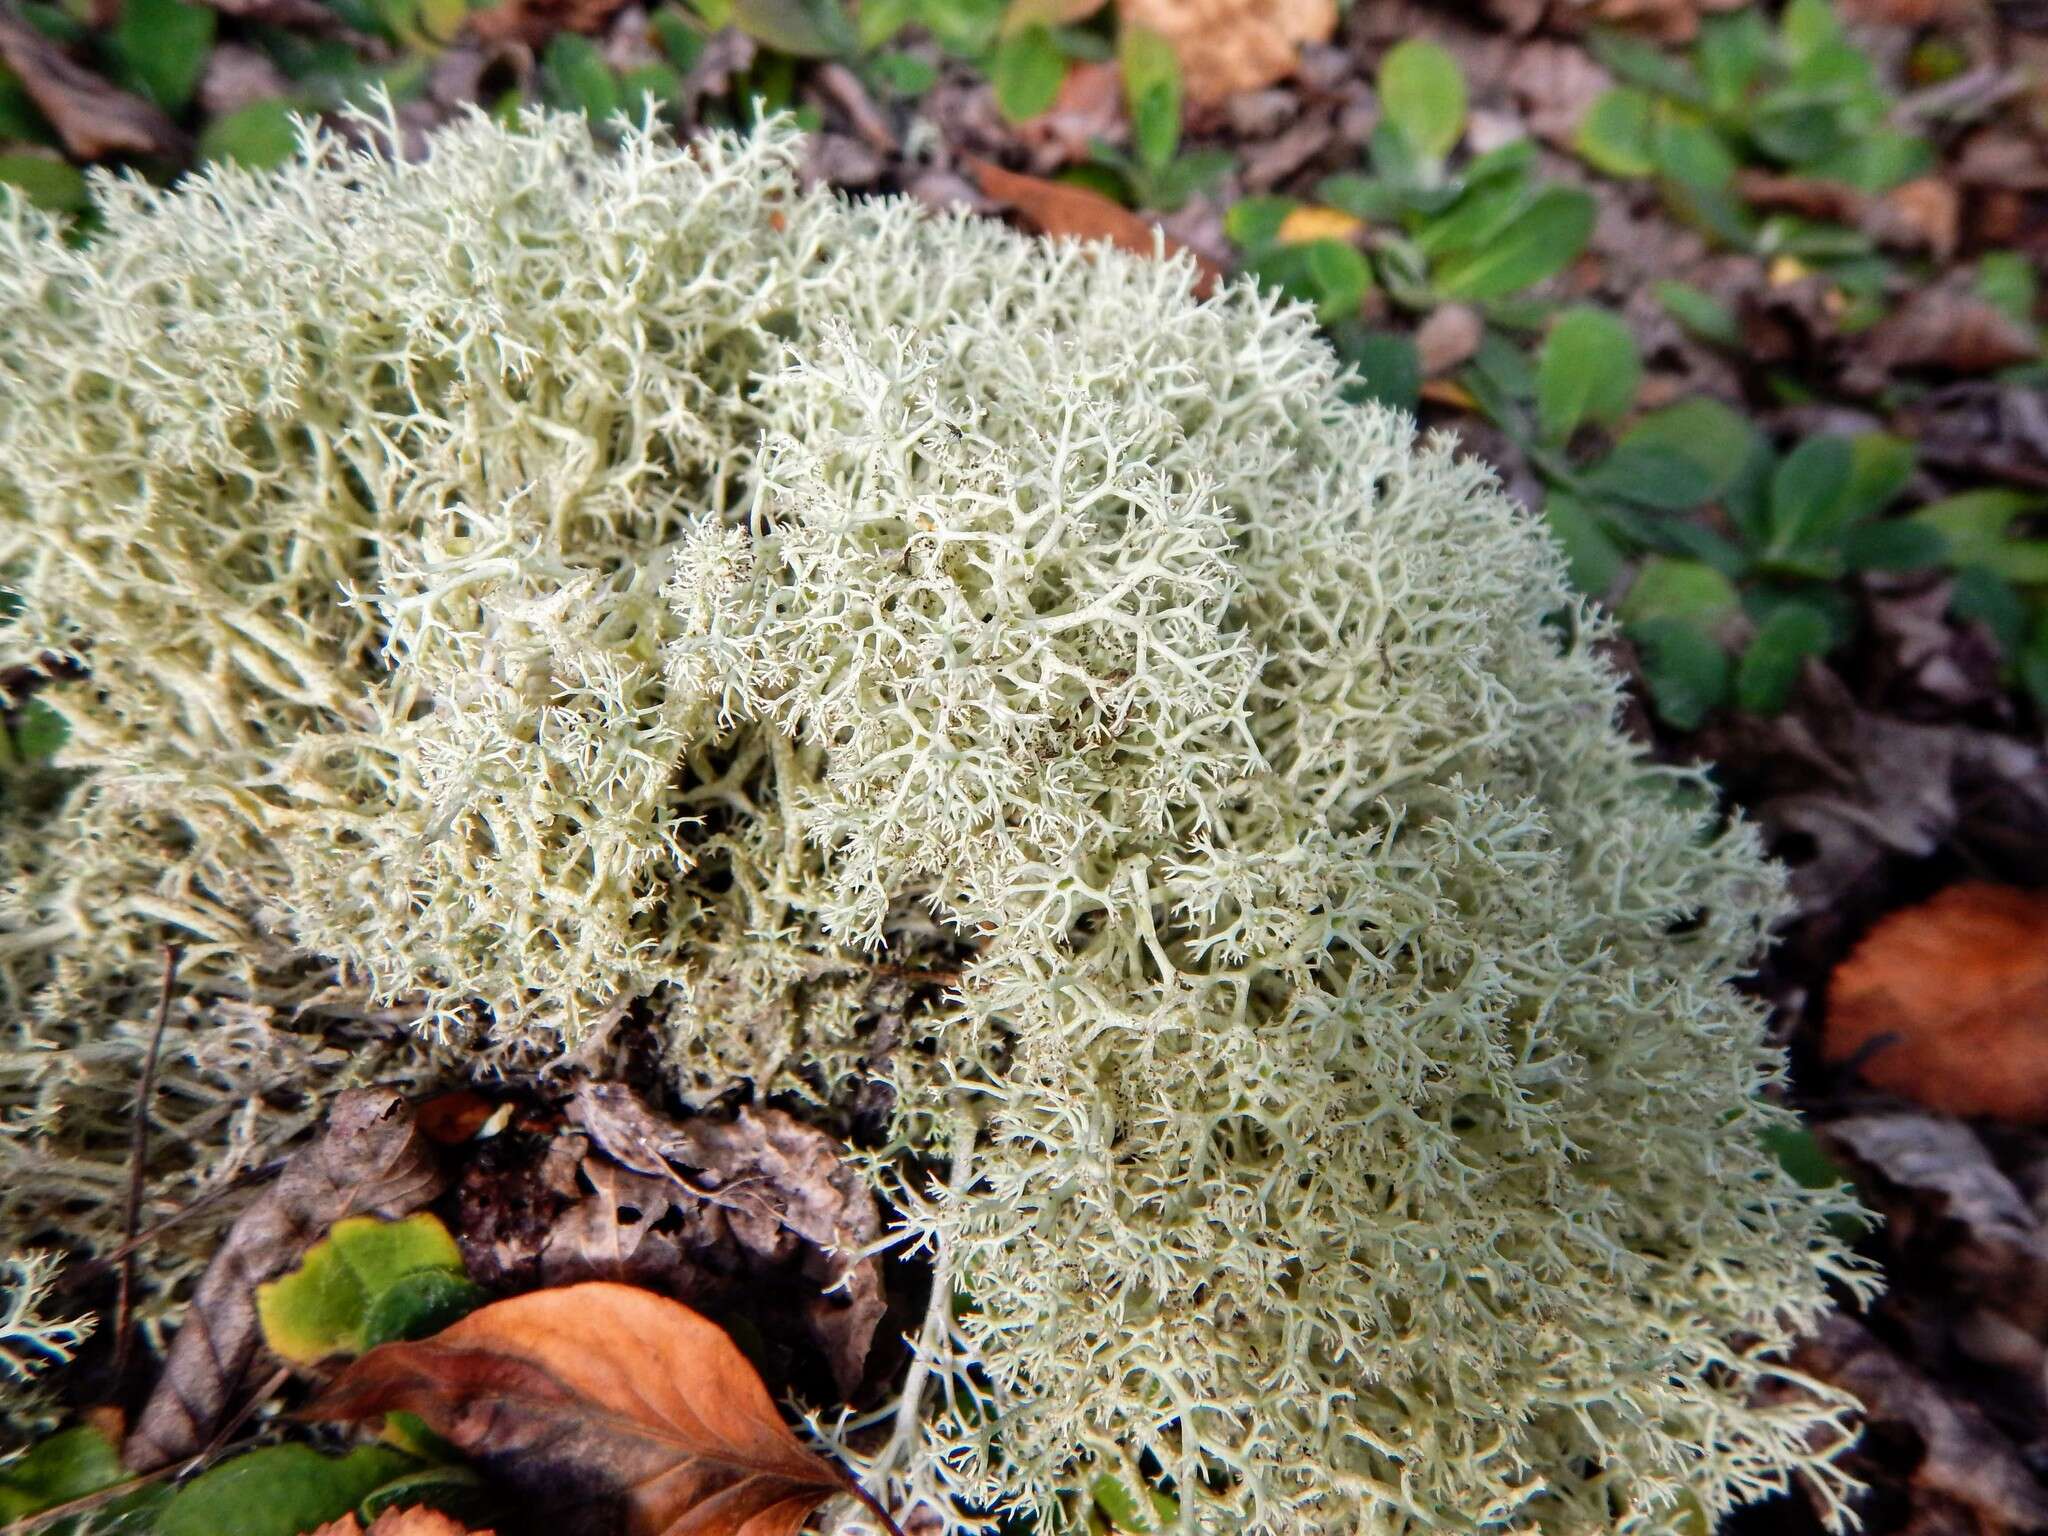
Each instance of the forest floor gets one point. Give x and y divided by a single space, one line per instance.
1745 299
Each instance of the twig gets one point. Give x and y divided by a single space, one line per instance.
138 1162
872 1504
79 1273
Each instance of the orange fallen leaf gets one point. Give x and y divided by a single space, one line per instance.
1074 213
1946 1003
608 1398
1227 46
1312 221
417 1521
1444 392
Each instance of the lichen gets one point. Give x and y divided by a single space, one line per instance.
543 580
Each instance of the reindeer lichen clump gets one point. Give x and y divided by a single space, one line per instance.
547 579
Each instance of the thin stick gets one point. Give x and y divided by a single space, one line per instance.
872 1504
86 1269
138 1162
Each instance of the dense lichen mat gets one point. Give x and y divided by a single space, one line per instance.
548 579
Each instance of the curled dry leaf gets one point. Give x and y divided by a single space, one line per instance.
93 118
781 1191
417 1521
1946 1003
1074 213
1227 46
1951 330
370 1160
605 1408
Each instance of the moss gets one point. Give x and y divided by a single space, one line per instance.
540 579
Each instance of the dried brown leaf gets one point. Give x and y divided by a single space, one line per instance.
1946 1003
93 118
1448 338
369 1160
605 1408
1949 329
783 1191
1227 46
1074 213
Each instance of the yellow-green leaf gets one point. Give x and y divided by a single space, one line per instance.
369 1282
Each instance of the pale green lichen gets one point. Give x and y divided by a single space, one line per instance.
544 579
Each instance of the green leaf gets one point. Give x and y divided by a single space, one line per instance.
280 1490
1362 197
57 1469
1617 133
681 38
259 136
1636 62
160 47
1700 312
419 1304
1152 93
1115 1499
804 29
579 79
1588 371
41 732
1987 599
19 118
343 1291
1733 52
1679 457
1879 467
2007 281
1897 545
1590 553
2032 665
1389 370
1330 274
903 74
1542 242
1666 588
1975 527
1770 667
877 21
1253 223
56 186
1807 494
1687 672
1692 154
1027 72
1422 93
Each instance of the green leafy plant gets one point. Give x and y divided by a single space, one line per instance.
1797 99
1482 233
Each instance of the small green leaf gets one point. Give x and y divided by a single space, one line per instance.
1678 457
878 21
345 1285
1152 93
259 136
1733 52
1362 197
1640 63
1027 72
1389 369
1590 553
1422 93
1666 588
579 79
280 1490
1616 135
681 38
1330 274
1896 545
1879 467
2007 281
1807 493
55 186
1115 1499
160 48
1687 672
1588 371
57 1469
903 74
1770 667
1980 596
41 732
419 1304
1700 312
803 29
1545 239
1691 153
1253 223
1976 526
